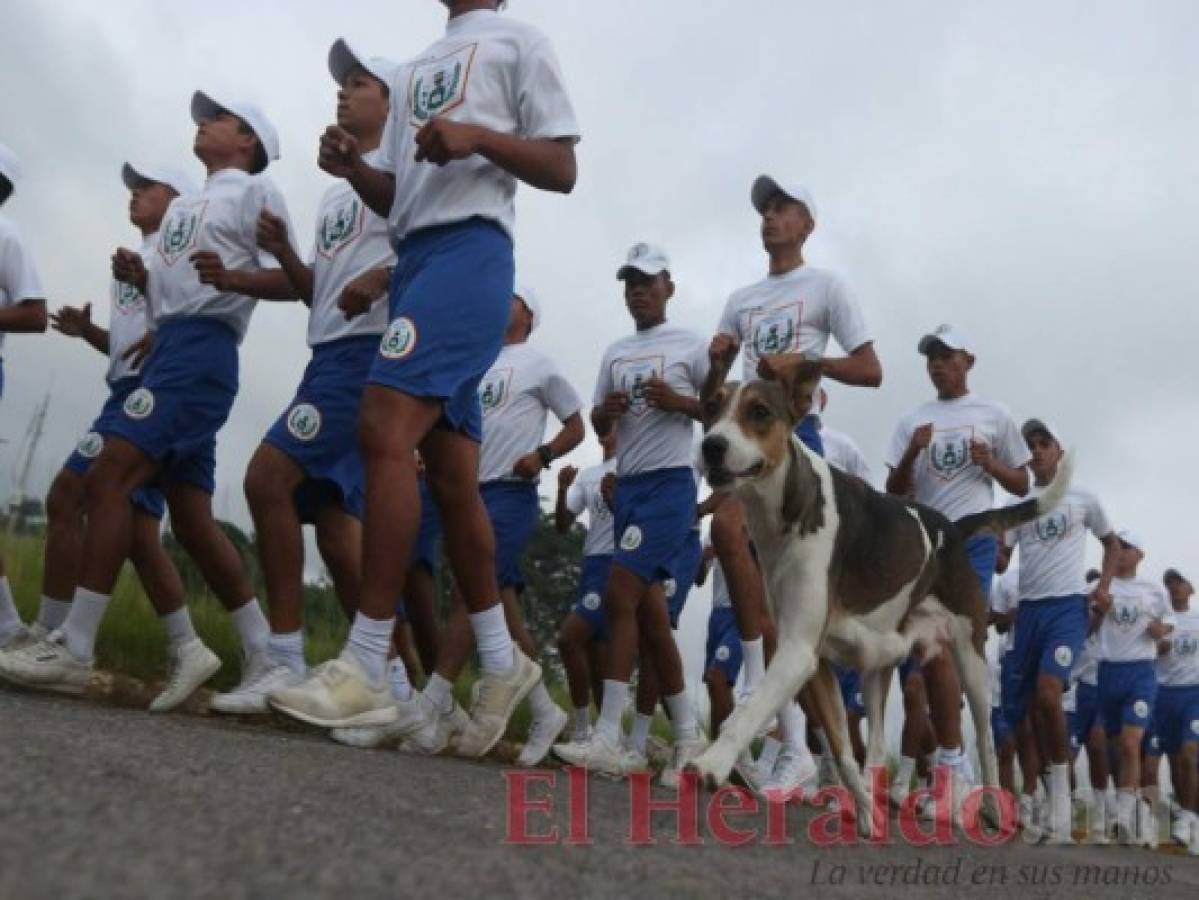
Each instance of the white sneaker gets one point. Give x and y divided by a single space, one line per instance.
497 698
1193 847
658 753
1181 830
439 733
411 715
899 792
337 694
24 636
599 755
262 676
542 734
1029 819
792 770
1146 825
1098 832
684 752
749 772
46 665
192 664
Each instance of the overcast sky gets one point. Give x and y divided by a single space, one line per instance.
1026 171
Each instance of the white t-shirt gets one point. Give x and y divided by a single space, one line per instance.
1086 666
1005 598
522 385
792 313
126 319
649 439
721 599
489 70
943 474
1122 633
19 279
585 495
1180 666
221 217
1053 548
350 241
841 451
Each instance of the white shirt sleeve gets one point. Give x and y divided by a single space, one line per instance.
558 394
603 382
1096 518
1011 448
900 439
18 272
846 322
544 107
264 195
1161 608
730 320
699 365
576 502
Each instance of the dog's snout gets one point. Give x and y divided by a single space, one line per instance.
714 448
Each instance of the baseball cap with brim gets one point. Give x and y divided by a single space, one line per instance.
343 59
646 259
205 107
1172 575
765 187
172 176
10 166
532 304
946 336
1131 538
1034 426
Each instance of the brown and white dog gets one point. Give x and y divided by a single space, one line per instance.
854 577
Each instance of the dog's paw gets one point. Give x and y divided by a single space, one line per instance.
712 771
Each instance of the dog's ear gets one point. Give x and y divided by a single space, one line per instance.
799 376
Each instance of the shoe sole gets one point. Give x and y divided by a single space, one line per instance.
63 687
521 692
371 718
213 666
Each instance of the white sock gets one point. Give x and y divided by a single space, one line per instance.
753 659
252 627
287 649
439 692
397 674
370 639
493 640
770 754
582 721
178 626
640 732
616 698
82 623
953 758
682 717
10 619
903 774
791 725
1126 810
541 703
52 613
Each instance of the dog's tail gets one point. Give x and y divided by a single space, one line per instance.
997 521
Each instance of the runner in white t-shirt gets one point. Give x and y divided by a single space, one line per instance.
1176 717
22 310
483 108
840 449
648 392
948 454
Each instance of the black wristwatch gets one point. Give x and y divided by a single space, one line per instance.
546 455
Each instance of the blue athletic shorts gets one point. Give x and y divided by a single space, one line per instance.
451 294
1000 730
1176 717
851 690
1127 691
189 383
513 510
724 643
593 578
319 431
147 499
1086 712
652 515
682 579
1049 635
808 431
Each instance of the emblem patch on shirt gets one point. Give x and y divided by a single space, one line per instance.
126 298
949 451
399 340
775 330
437 86
494 390
1125 615
632 377
1052 527
140 404
180 231
1186 645
304 422
90 445
340 227
631 539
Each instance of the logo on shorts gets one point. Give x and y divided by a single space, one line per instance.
722 653
439 85
949 451
339 227
1154 742
631 539
90 445
591 601
1195 726
304 421
1052 527
1063 656
1140 709
139 404
399 340
670 587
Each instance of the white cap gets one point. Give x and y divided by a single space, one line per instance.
947 335
645 258
343 58
205 107
766 187
172 176
10 166
532 304
1130 537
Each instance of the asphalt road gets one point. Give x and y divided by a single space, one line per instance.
97 801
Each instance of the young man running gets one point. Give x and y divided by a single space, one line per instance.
647 390
200 280
22 310
308 469
483 108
